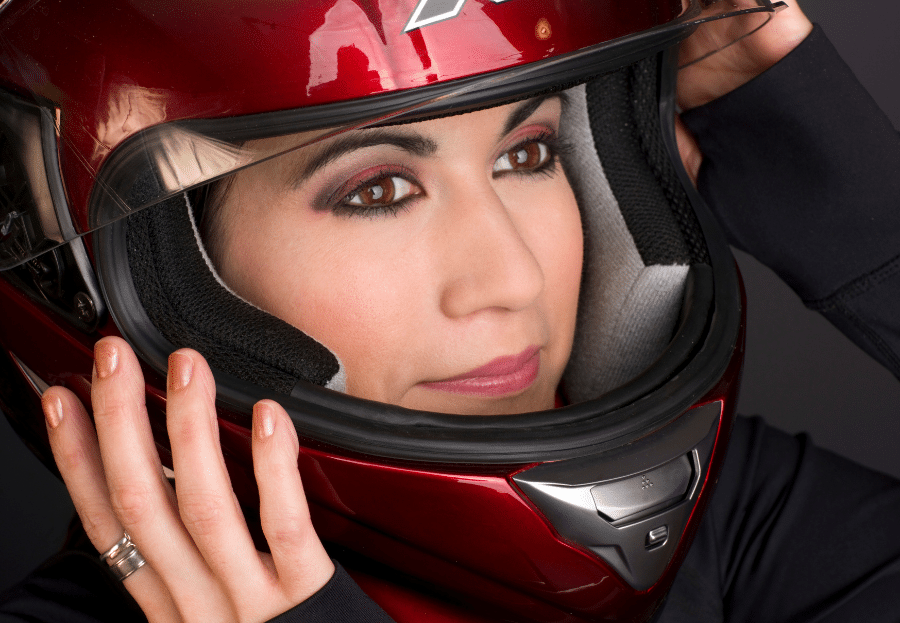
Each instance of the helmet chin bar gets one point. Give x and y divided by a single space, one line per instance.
630 506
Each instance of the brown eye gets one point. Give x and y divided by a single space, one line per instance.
527 157
383 191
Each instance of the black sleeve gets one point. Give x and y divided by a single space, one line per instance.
803 171
71 587
794 534
339 601
802 168
75 587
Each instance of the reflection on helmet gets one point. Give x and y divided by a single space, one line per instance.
526 516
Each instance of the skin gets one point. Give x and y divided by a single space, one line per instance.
201 561
479 263
734 66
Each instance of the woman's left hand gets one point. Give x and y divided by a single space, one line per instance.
733 65
738 60
201 561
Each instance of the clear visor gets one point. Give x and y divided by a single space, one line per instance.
723 23
156 163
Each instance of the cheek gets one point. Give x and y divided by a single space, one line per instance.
556 240
360 298
354 310
555 237
368 313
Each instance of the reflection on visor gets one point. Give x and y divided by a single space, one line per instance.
169 158
713 35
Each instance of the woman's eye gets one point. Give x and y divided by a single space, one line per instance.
527 157
383 191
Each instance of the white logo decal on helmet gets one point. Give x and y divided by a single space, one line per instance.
433 11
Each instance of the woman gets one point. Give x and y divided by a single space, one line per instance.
426 318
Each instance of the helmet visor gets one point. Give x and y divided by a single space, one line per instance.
64 176
723 23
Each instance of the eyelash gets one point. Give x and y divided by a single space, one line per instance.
342 206
555 144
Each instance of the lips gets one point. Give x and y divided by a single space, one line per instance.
498 377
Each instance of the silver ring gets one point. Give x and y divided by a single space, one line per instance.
123 558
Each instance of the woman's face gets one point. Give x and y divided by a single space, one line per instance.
440 260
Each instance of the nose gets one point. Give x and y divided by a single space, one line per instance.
489 263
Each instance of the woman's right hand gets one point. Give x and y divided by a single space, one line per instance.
201 564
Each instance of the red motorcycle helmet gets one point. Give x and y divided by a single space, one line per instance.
116 118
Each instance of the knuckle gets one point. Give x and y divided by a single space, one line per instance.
202 512
280 472
98 521
284 534
186 432
132 503
70 459
125 395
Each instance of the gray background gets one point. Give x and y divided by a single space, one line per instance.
801 374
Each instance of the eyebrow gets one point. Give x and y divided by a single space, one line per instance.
527 108
413 143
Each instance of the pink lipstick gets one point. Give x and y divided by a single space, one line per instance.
500 376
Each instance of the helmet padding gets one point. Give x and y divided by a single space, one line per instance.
640 240
185 299
640 233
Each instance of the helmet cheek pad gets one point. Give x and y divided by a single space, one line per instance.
641 235
182 295
640 239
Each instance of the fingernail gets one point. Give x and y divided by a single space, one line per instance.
53 410
106 359
265 420
181 368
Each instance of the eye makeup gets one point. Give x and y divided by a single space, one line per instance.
384 191
350 197
388 189
379 174
534 154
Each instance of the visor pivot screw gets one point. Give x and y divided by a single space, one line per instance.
84 308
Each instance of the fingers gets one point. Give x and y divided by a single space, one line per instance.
206 501
77 455
739 58
140 496
688 149
302 564
201 561
74 446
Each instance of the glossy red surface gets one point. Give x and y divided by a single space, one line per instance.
474 536
464 532
114 68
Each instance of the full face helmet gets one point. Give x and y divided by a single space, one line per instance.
115 118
